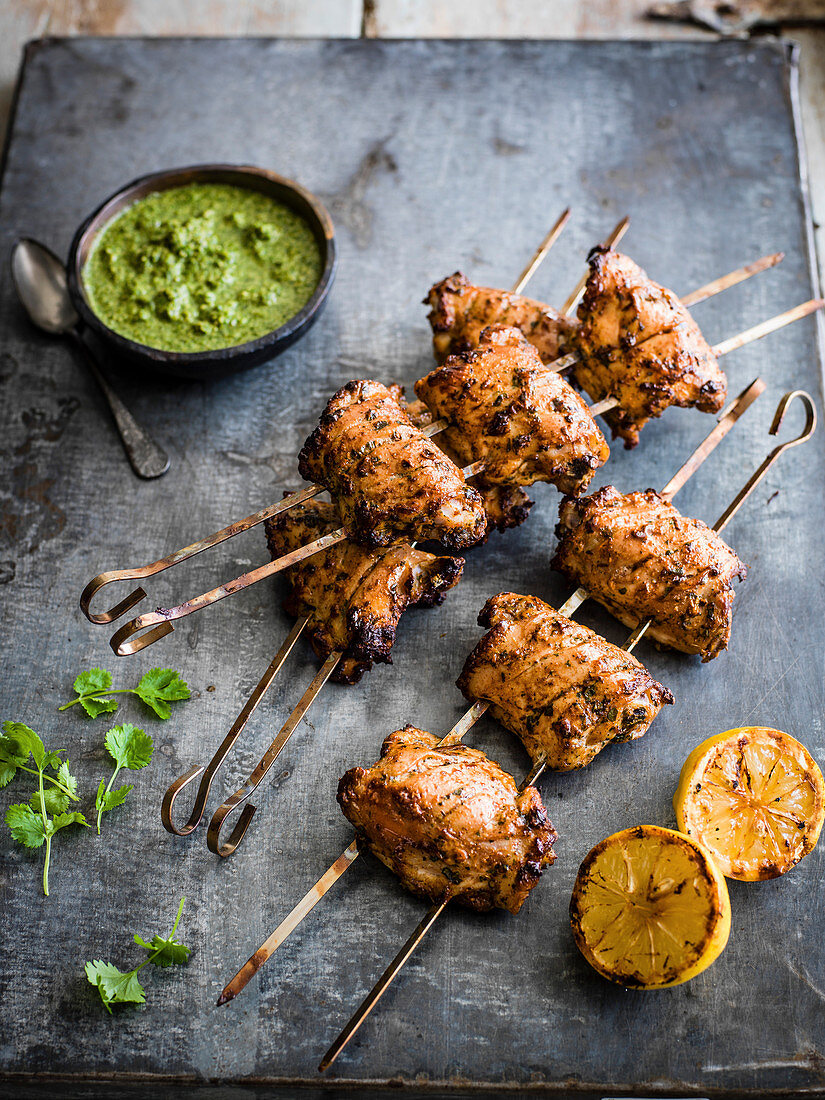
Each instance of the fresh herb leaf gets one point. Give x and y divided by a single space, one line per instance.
119 987
94 679
113 985
107 800
26 825
95 706
27 743
31 825
54 800
130 748
159 687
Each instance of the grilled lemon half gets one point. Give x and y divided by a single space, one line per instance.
754 797
649 908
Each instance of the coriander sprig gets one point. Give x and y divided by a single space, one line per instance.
130 748
157 689
29 822
118 986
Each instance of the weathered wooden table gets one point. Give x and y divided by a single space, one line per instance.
431 156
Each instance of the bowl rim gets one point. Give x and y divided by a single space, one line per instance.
166 180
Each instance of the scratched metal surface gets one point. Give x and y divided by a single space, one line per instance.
431 156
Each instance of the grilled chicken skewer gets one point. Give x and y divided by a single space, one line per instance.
601 666
655 693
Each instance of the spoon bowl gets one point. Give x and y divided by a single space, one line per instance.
40 281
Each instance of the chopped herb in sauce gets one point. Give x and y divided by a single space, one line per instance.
202 267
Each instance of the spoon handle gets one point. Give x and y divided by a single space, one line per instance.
147 459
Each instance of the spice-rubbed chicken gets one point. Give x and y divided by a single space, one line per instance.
461 311
505 408
355 597
386 477
561 688
449 820
642 560
506 505
637 342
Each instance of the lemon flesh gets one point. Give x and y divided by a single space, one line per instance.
754 797
649 908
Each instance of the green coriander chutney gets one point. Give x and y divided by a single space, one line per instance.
201 267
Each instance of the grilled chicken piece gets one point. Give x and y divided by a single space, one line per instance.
638 343
506 505
449 821
461 311
388 480
642 560
505 408
354 597
560 687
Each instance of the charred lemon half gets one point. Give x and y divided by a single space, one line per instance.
649 908
754 797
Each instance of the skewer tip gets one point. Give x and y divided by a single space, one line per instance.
226 996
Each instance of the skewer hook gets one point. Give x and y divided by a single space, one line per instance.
144 571
227 847
238 726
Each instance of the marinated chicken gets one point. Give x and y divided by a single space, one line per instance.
642 560
388 480
561 688
461 311
448 820
506 505
354 597
505 408
637 342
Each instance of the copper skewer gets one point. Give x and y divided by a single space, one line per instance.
341 865
541 252
724 282
249 707
227 847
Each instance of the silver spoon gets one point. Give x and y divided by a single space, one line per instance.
40 280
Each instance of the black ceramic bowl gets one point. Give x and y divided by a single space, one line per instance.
207 364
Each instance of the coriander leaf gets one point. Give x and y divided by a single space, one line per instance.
107 800
67 780
27 742
159 687
114 986
95 707
27 827
164 952
11 758
55 801
60 821
95 679
129 747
